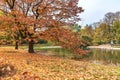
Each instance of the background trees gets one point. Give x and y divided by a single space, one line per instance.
112 20
101 34
106 31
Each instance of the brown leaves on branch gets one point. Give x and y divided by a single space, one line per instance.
65 38
28 19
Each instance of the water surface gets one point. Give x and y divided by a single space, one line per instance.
103 56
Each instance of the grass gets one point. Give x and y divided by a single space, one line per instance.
43 67
59 52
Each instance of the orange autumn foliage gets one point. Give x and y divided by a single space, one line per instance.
27 19
65 38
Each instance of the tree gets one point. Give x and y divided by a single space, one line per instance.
116 31
33 17
71 41
87 31
87 34
117 15
76 28
109 19
107 31
8 6
101 34
5 35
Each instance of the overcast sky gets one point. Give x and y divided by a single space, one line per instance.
96 9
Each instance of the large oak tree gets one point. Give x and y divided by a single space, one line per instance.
30 19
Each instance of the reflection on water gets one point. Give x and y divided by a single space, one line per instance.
104 55
59 52
96 55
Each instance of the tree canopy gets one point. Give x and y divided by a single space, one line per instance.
30 19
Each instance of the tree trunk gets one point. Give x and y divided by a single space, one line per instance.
31 46
16 45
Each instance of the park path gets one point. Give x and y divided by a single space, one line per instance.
105 46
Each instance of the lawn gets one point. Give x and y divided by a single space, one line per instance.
20 65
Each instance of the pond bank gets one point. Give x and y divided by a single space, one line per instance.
106 46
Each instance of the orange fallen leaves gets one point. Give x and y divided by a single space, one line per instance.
41 67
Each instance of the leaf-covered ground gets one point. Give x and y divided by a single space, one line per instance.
20 65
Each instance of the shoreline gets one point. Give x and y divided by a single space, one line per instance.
108 47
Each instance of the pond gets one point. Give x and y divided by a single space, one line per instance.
103 56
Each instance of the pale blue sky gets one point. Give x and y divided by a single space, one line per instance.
96 9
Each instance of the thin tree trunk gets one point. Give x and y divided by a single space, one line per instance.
16 45
31 46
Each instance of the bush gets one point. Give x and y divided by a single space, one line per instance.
42 41
87 40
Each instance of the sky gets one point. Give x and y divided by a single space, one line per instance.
94 10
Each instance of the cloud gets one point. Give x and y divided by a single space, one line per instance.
96 9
